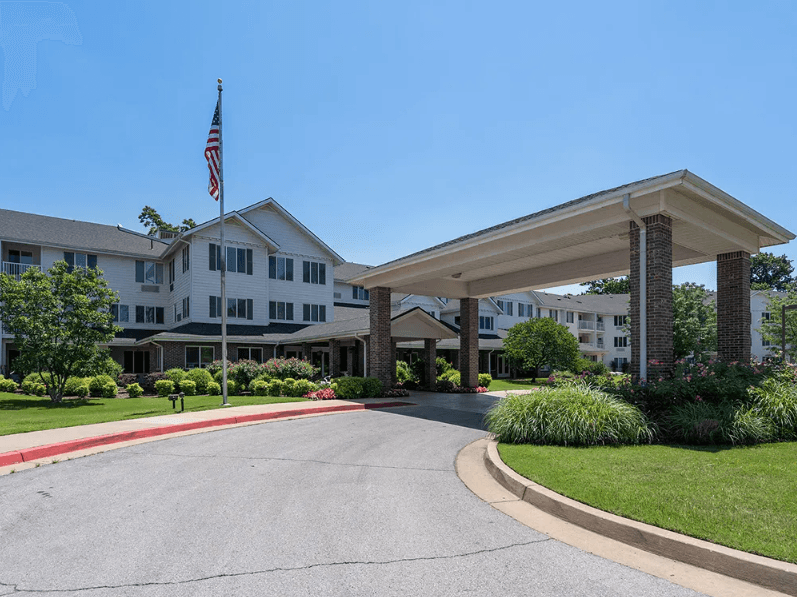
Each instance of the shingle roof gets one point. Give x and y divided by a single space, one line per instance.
73 234
344 271
608 304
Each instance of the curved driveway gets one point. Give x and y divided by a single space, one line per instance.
366 503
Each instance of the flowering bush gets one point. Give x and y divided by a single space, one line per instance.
325 394
285 368
396 393
245 371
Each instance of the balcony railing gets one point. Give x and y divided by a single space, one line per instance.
586 325
600 326
17 269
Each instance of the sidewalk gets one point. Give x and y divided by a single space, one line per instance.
24 450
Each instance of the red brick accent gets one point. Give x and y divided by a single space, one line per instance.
469 342
380 358
733 306
174 353
334 358
659 296
430 360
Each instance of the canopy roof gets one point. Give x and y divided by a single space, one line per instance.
582 240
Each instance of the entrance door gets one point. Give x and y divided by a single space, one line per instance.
503 366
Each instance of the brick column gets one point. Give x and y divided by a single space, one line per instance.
306 351
469 342
733 306
334 358
393 377
430 358
379 345
659 297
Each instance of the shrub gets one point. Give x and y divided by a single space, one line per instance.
289 368
188 387
109 367
125 379
451 375
109 389
442 366
403 372
244 372
372 387
703 422
274 388
176 375
73 383
232 387
571 415
591 367
444 385
98 383
776 401
201 378
485 379
214 389
82 390
32 380
302 387
134 390
164 387
396 393
348 387
149 380
324 394
8 385
259 387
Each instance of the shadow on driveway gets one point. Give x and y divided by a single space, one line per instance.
462 410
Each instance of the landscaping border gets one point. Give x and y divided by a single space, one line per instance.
759 570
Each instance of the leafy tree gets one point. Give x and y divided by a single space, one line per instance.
151 218
769 272
538 342
58 318
694 320
608 286
771 329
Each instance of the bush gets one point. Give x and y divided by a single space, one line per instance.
403 372
232 387
109 390
274 387
74 383
485 379
302 387
149 380
82 390
201 378
348 387
571 415
176 375
32 380
591 367
776 401
324 394
8 385
703 422
289 368
244 372
444 385
125 379
109 367
98 383
214 389
134 390
188 387
372 387
451 375
259 387
164 387
442 366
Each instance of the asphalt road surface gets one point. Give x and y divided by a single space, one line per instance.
364 503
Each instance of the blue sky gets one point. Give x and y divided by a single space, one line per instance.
389 127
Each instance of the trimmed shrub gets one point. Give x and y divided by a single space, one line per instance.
188 387
8 385
302 387
372 387
201 378
259 387
485 379
274 388
214 389
37 389
348 387
134 390
82 390
451 375
125 379
232 387
149 380
164 387
287 386
569 415
73 383
98 383
176 375
109 390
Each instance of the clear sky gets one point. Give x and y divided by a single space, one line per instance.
388 127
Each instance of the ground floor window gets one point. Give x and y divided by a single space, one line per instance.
250 354
136 361
198 356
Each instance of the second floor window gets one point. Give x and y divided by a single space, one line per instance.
314 273
620 341
278 310
314 312
280 268
148 314
570 317
359 293
120 313
240 308
171 275
620 320
186 259
83 260
186 307
486 323
149 272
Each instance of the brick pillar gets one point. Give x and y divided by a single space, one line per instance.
380 353
393 377
430 358
334 358
306 351
733 306
469 342
659 297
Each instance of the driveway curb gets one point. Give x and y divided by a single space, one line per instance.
46 451
758 570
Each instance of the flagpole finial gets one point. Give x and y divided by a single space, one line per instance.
219 80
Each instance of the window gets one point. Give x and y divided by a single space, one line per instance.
26 257
171 275
215 307
359 293
766 316
525 310
280 268
186 259
186 307
121 313
506 307
486 323
765 342
621 341
238 260
443 300
74 260
146 314
314 312
620 320
281 311
177 316
432 313
198 356
250 354
314 273
149 272
553 314
139 314
457 320
569 317
136 361
238 308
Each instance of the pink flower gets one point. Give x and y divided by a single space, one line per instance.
698 398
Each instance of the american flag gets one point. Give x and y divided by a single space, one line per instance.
212 155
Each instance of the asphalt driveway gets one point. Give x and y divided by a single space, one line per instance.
364 503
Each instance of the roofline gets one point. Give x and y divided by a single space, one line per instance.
81 248
230 215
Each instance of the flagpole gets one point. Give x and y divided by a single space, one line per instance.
223 264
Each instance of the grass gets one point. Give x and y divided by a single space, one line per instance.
740 497
516 384
19 413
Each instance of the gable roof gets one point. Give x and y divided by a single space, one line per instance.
48 231
233 215
346 270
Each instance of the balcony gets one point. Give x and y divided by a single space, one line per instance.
583 324
600 326
17 269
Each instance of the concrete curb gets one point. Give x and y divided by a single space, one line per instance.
758 570
46 451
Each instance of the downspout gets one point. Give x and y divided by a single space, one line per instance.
643 287
160 354
365 354
490 364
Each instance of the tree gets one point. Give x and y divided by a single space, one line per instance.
694 320
152 219
538 342
768 272
608 286
57 318
771 328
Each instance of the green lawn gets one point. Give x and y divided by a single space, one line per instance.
516 384
19 413
741 497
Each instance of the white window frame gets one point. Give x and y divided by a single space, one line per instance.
200 364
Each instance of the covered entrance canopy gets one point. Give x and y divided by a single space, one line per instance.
681 219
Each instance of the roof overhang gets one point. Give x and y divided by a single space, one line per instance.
582 240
